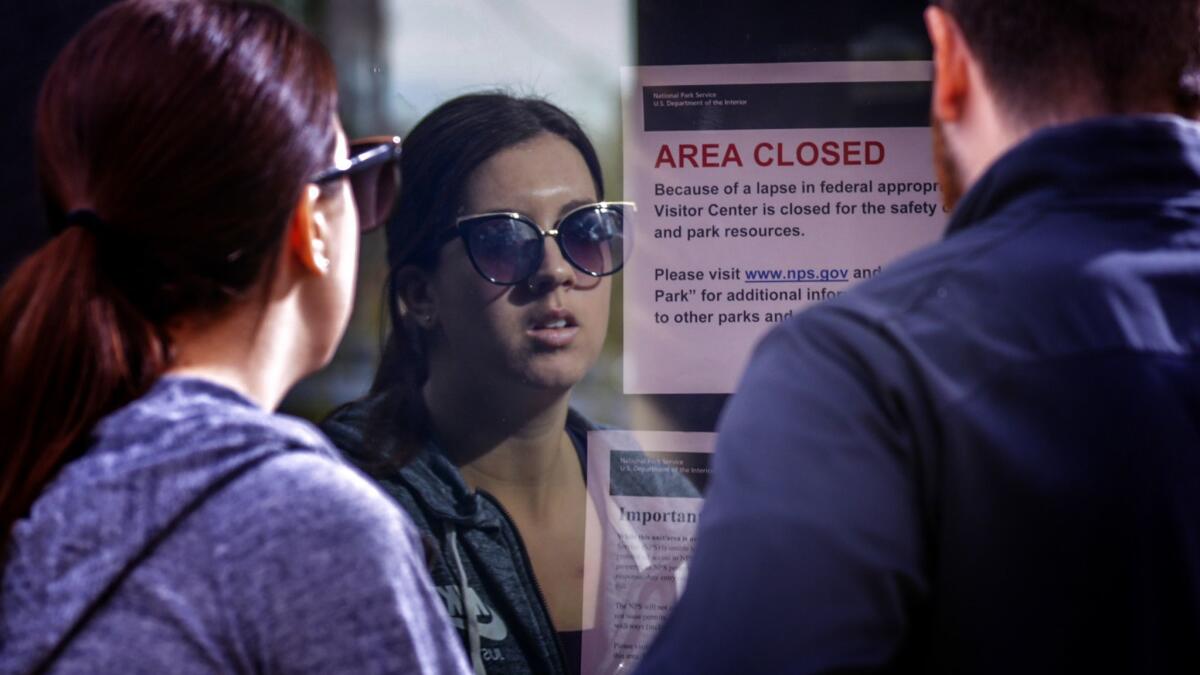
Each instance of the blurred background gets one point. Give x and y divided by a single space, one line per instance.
398 59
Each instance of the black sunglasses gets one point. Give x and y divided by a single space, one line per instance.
506 248
374 172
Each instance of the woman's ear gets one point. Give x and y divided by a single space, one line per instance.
414 294
308 232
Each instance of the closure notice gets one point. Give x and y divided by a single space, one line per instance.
763 189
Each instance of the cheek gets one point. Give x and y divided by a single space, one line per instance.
350 244
471 310
346 262
594 305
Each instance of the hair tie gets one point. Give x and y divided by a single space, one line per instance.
88 220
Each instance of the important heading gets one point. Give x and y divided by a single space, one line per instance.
767 154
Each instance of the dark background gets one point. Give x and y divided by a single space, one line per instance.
668 32
31 34
679 32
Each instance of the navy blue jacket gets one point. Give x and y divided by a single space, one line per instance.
987 458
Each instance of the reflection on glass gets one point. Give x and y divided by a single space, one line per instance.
398 59
501 255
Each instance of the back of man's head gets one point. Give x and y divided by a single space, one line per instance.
1049 59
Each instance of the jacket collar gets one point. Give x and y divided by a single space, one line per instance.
1158 154
437 483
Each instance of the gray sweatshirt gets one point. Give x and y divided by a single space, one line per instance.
200 534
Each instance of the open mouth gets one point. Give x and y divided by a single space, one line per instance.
554 321
554 329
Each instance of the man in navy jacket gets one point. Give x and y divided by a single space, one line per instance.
987 458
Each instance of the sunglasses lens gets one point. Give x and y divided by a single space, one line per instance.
594 239
504 250
375 189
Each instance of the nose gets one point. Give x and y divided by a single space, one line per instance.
554 271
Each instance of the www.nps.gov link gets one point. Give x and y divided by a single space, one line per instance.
799 275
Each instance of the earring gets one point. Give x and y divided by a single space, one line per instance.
319 257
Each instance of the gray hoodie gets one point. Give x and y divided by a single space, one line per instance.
200 534
481 569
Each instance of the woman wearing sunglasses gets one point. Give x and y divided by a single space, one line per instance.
501 254
156 517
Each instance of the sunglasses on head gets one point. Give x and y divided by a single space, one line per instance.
506 248
374 172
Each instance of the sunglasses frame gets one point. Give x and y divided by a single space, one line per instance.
460 232
381 150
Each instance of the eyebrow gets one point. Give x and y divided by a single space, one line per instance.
566 208
574 204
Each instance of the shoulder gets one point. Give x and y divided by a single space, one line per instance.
181 412
917 283
300 524
371 431
347 423
1017 286
412 480
321 572
912 313
876 363
838 371
300 499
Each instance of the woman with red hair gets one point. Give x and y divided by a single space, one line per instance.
156 516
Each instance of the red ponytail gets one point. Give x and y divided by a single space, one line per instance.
74 350
190 129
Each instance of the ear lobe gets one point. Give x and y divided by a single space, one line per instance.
415 296
950 65
307 233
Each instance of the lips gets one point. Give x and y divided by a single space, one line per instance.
555 328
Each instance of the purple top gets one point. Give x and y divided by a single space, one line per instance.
272 555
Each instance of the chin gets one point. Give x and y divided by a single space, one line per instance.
556 382
550 373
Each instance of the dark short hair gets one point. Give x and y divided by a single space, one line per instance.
1115 56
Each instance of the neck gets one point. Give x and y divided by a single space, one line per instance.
985 132
249 351
989 129
513 445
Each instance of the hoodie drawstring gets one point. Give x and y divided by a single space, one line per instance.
469 613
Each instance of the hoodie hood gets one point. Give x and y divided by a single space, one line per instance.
431 477
148 466
483 570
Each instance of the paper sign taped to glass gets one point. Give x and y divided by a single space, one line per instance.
647 490
762 189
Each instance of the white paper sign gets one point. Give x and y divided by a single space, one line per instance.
762 189
647 488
